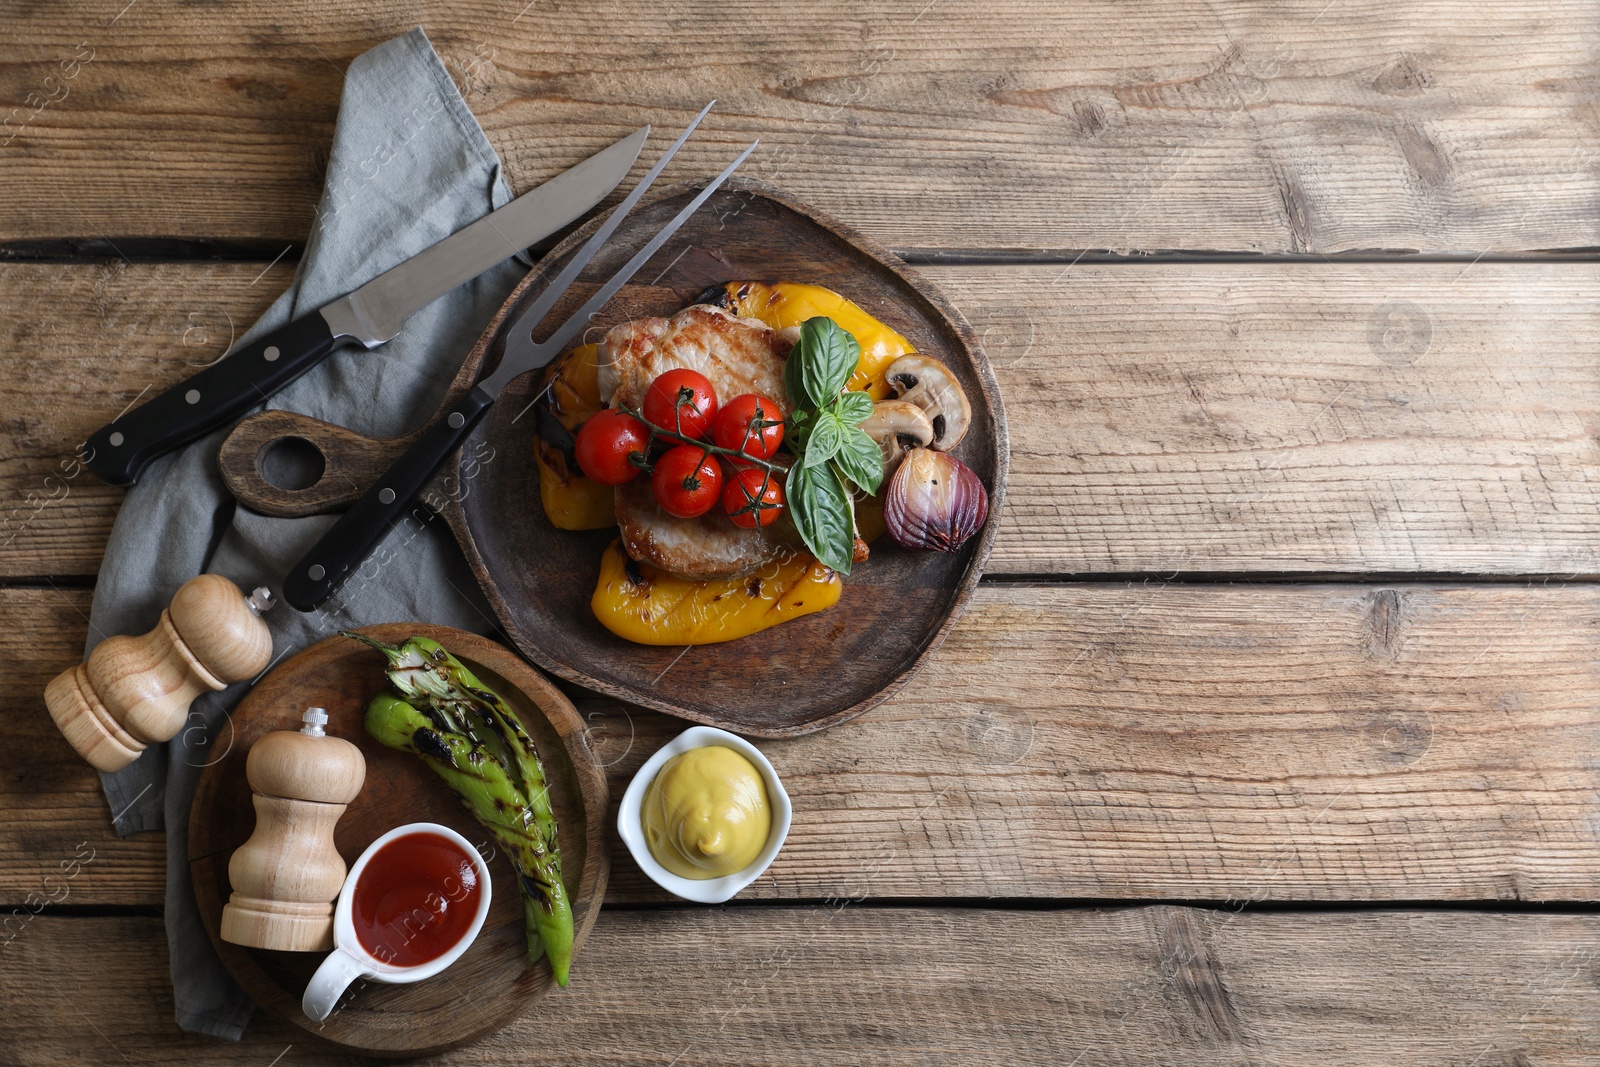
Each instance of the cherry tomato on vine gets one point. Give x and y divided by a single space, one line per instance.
687 482
753 497
681 400
749 424
606 441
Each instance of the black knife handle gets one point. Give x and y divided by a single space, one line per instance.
333 559
223 391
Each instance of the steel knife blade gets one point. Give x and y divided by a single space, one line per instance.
369 316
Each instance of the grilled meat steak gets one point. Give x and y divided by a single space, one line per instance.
737 356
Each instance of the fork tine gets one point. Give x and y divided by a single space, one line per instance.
529 320
580 318
536 354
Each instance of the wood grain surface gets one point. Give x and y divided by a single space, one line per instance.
1267 746
849 984
1221 418
1311 743
953 124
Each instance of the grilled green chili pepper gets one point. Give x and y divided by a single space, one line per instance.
472 739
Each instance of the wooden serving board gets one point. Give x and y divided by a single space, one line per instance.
795 678
492 984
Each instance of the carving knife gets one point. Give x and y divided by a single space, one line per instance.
338 553
371 315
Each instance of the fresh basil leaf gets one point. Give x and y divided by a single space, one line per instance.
826 438
821 510
860 459
852 407
792 378
797 431
827 357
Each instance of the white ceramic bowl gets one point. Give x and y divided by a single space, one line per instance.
630 823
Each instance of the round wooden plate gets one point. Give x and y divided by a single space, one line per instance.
490 985
793 679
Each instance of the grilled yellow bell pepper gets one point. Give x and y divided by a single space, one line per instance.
647 606
784 304
572 501
870 524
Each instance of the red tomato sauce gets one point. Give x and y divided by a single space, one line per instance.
415 899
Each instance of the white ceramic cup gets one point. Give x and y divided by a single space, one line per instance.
630 820
349 960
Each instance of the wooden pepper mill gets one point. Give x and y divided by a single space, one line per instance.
135 691
285 878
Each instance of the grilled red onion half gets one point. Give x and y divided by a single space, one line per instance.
934 501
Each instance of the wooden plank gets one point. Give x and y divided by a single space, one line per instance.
1303 419
954 124
1165 419
1097 741
846 984
93 341
51 808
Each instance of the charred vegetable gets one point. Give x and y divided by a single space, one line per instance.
786 305
644 604
472 739
934 501
929 385
898 427
571 394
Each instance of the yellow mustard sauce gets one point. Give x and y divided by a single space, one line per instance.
707 815
648 606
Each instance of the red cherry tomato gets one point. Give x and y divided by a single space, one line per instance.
749 424
681 400
606 441
753 497
687 482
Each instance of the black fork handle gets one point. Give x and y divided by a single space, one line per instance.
337 554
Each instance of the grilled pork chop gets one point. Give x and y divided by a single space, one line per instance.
737 356
707 547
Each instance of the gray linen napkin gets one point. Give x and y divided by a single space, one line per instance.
409 166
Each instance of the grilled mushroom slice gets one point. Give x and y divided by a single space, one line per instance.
898 427
929 385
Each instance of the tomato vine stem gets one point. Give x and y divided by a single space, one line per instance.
708 447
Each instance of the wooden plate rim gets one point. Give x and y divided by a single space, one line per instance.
937 308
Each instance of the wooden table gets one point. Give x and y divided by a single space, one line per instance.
1270 736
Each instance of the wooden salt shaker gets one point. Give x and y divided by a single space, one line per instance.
135 691
285 878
